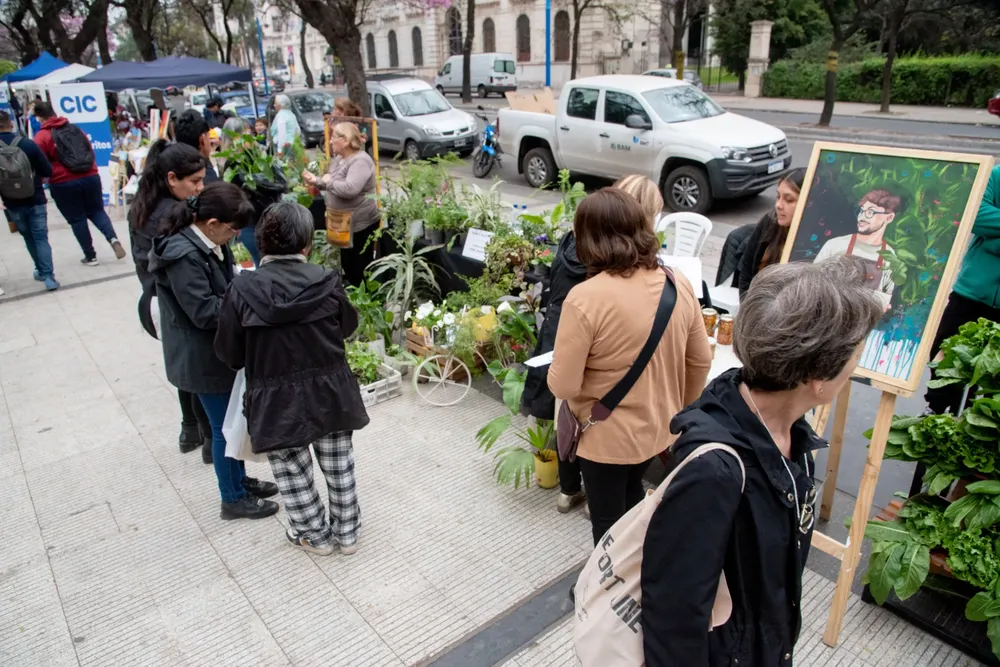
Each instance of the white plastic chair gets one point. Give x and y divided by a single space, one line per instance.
691 231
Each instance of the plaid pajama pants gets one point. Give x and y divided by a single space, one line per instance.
293 472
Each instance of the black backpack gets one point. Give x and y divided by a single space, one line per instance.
73 148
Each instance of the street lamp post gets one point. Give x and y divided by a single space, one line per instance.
263 62
548 43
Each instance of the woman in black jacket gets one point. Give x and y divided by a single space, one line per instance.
193 266
172 173
767 240
799 334
285 324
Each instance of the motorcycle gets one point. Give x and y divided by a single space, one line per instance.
488 152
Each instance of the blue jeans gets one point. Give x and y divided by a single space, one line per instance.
249 242
79 200
31 222
229 472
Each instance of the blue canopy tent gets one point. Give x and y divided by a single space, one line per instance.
166 72
44 64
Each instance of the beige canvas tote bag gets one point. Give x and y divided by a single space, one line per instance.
607 631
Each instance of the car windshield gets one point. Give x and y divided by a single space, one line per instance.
199 98
682 103
503 66
314 102
421 103
238 100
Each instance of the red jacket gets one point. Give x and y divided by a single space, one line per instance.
60 174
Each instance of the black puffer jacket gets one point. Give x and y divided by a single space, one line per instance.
704 527
190 283
142 236
286 323
567 272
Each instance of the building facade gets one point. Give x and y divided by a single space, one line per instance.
417 40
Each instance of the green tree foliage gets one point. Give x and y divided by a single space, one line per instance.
796 23
7 66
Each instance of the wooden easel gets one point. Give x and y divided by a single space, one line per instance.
849 553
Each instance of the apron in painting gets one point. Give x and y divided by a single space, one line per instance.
873 268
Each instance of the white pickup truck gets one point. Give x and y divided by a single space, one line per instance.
666 129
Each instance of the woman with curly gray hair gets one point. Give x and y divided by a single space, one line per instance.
285 126
746 511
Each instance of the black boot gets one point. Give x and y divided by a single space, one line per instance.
249 507
190 437
206 452
260 488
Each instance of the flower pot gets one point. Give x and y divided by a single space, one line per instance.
461 239
377 345
449 235
542 270
435 236
547 470
416 229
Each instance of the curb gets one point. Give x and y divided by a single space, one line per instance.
925 142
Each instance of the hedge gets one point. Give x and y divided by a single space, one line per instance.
968 80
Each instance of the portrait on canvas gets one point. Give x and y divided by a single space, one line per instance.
907 216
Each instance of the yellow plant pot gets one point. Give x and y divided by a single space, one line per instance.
483 325
547 470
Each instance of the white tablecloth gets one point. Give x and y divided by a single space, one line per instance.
724 359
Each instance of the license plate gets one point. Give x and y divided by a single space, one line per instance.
461 142
775 167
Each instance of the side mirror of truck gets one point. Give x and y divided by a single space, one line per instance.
637 122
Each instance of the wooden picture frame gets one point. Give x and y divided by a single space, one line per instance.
897 352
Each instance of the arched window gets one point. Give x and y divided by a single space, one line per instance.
489 36
393 52
453 21
418 48
523 39
562 35
370 47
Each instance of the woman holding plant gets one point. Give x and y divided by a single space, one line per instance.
285 324
799 334
605 322
347 187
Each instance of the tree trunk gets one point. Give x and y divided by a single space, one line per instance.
894 23
678 46
139 16
575 55
302 56
830 96
666 47
470 30
348 50
103 47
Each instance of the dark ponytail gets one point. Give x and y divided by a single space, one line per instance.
220 200
162 159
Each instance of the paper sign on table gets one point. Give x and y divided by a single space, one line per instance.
475 244
690 268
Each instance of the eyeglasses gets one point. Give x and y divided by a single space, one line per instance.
869 213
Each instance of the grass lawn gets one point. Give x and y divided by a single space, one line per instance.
710 75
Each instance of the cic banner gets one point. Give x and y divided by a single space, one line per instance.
85 105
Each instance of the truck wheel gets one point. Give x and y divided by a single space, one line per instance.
482 91
411 151
539 167
687 189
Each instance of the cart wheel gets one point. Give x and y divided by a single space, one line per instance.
442 380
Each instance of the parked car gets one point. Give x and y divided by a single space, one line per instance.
308 107
993 106
614 125
670 73
198 99
238 101
489 73
274 85
416 120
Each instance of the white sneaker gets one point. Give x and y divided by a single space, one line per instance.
564 503
307 546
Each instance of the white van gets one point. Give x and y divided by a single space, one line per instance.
489 73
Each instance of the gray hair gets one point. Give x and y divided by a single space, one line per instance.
285 228
282 101
237 125
801 322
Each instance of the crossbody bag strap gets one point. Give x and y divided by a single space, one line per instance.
668 299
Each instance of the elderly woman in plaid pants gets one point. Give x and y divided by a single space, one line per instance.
286 323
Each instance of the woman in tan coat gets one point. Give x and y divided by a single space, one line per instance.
605 322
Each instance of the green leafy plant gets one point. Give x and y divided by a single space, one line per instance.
406 276
480 293
373 318
486 210
240 253
515 464
970 357
364 362
323 253
507 254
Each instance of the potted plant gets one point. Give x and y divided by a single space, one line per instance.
241 255
543 261
322 252
536 457
378 382
407 275
374 321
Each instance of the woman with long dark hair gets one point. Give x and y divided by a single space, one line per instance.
767 240
193 266
172 173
